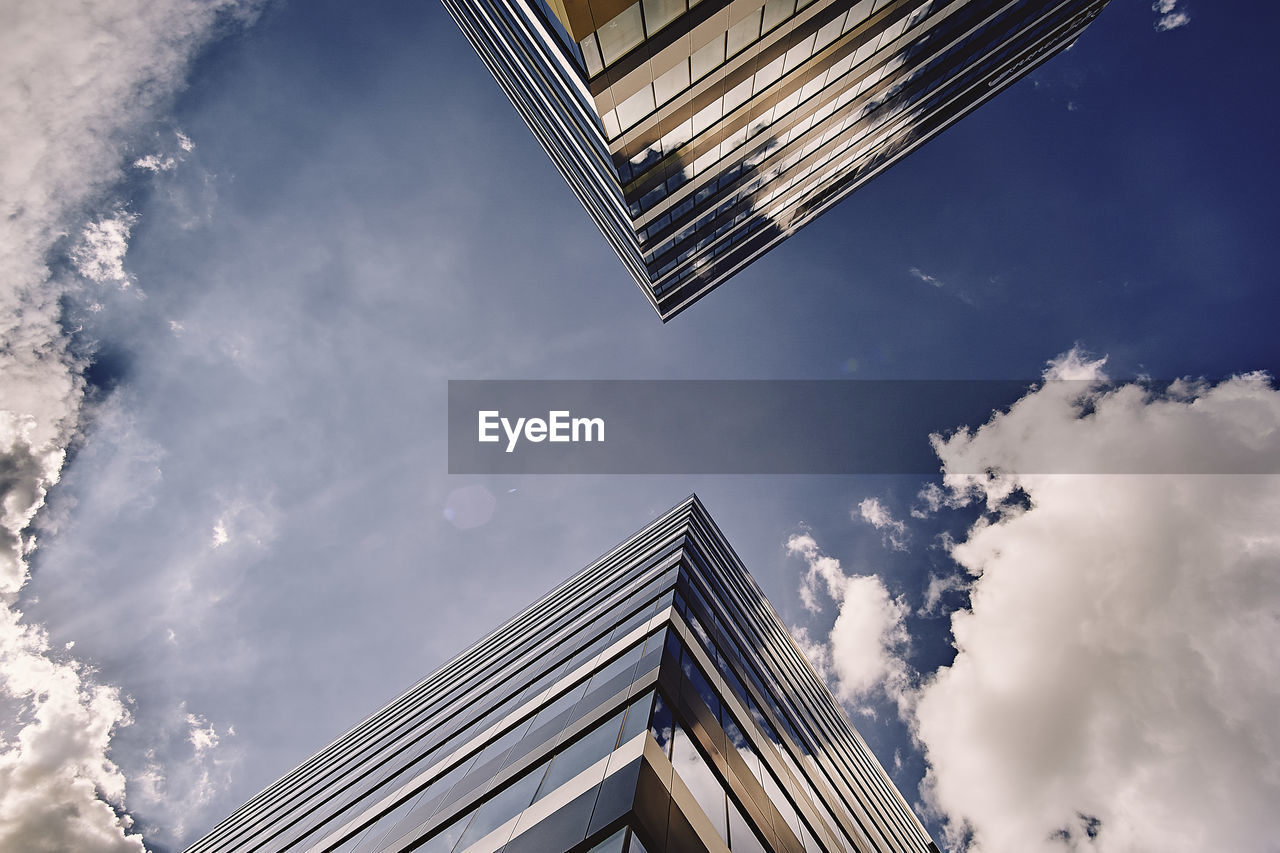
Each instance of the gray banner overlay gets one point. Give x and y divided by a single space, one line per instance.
741 427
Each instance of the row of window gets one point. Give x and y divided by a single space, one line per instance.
778 793
750 190
766 116
711 56
412 735
646 18
692 768
544 725
847 767
889 104
731 146
499 808
768 208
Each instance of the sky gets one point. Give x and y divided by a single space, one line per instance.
246 244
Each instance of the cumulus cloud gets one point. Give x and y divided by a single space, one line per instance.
57 786
1115 686
1170 15
863 651
1077 422
76 80
875 513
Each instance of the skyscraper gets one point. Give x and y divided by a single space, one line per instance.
701 133
654 701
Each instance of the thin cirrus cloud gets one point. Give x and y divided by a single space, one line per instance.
1114 686
77 80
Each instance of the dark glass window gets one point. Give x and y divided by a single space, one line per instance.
661 725
692 769
501 807
446 839
613 844
742 838
637 717
581 754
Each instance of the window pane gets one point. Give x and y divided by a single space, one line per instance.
708 58
775 12
659 13
591 55
798 54
612 844
766 75
581 754
447 838
673 82
636 107
706 788
621 34
503 806
694 673
637 717
624 663
829 33
742 839
636 846
662 725
708 115
745 31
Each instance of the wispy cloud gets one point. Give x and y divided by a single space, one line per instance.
1171 15
75 80
875 513
925 277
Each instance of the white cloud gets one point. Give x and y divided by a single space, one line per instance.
159 162
865 645
873 512
57 786
938 586
100 255
197 767
1170 16
932 498
75 78
925 277
1115 686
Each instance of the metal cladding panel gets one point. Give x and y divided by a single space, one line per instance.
549 734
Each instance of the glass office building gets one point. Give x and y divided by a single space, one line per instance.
652 702
701 133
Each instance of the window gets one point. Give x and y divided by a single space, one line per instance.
672 83
746 31
659 13
621 34
708 58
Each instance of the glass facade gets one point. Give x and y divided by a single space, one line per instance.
652 702
700 133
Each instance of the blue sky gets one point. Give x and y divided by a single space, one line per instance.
267 237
